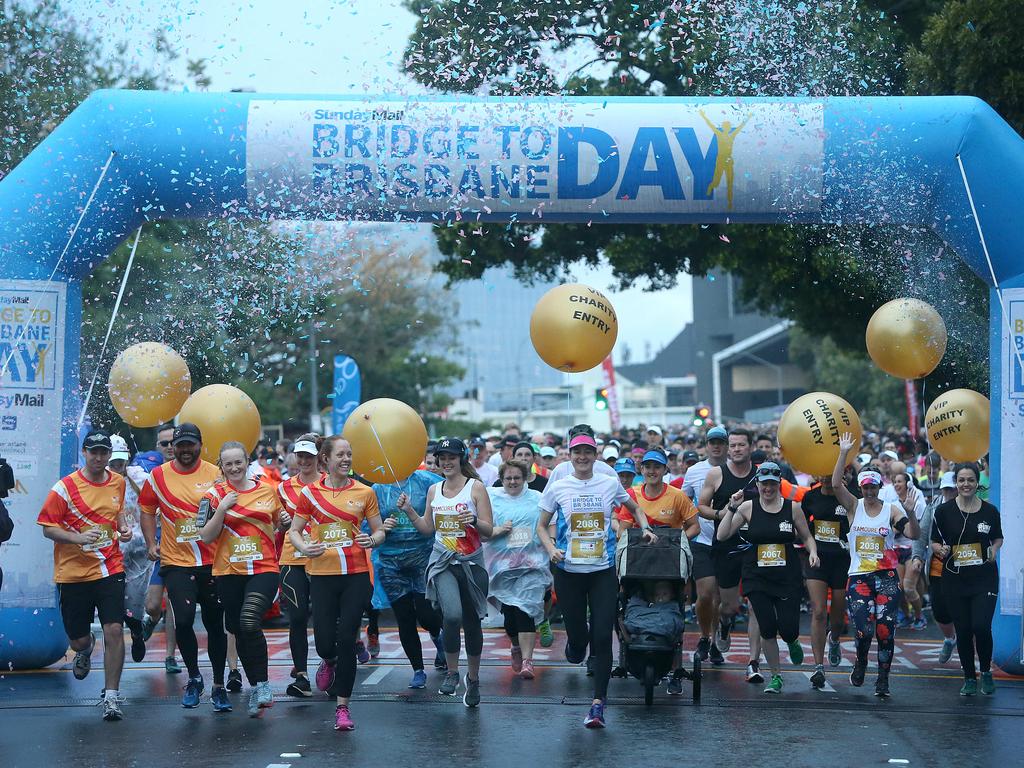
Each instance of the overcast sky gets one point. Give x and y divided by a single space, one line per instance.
326 47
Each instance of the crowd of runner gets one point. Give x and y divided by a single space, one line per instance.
529 526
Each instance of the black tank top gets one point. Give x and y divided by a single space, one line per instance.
729 485
774 570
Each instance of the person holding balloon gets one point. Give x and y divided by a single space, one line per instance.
246 513
873 590
457 512
967 535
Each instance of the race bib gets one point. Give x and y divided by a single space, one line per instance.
185 530
105 540
519 537
586 550
826 531
244 549
587 524
335 535
870 547
447 524
967 554
771 555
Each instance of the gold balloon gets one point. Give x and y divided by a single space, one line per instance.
809 431
148 383
388 440
958 423
573 327
222 413
906 338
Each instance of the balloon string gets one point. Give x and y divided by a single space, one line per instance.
386 459
110 327
71 237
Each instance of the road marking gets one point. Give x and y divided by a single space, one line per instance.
827 687
279 765
377 675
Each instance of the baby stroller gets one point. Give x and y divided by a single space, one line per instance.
650 627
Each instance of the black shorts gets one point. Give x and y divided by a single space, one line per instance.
703 561
903 554
81 600
728 567
833 570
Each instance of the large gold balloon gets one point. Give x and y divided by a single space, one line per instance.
388 440
958 423
906 338
810 428
148 383
222 413
573 327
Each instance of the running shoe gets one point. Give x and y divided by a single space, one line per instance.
796 652
572 655
775 685
471 697
234 683
219 699
703 648
595 718
882 685
946 652
300 687
362 655
544 631
264 694
517 659
860 668
112 709
171 666
83 660
724 639
138 645
373 644
342 719
527 673
835 650
902 621
970 687
754 673
988 685
675 686
419 679
919 623
193 690
325 675
440 662
716 656
148 625
818 678
590 666
253 707
450 684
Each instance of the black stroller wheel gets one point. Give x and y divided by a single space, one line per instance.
697 675
649 682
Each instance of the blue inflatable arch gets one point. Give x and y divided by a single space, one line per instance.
125 157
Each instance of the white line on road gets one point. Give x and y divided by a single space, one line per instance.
827 687
377 675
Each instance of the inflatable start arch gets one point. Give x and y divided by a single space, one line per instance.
126 157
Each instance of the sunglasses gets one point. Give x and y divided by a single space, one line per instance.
776 473
164 443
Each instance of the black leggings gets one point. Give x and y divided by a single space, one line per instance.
411 609
372 620
598 591
516 621
972 617
187 587
338 604
940 608
245 599
295 593
776 616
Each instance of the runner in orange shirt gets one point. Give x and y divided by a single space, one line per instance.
246 513
83 516
339 567
174 490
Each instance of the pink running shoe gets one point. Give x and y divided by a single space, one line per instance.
517 659
527 673
342 719
325 675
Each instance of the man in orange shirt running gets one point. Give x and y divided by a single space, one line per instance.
83 517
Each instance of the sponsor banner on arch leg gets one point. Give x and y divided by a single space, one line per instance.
609 160
32 316
1011 448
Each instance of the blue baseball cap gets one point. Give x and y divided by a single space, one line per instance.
657 456
717 433
625 465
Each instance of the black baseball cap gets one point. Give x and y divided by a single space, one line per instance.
186 432
691 456
97 438
450 445
477 441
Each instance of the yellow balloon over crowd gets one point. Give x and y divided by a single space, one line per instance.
906 338
222 413
958 425
388 440
573 327
810 428
148 384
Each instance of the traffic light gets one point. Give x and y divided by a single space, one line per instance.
601 399
701 416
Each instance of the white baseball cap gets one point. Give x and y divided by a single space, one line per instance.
655 429
610 452
305 446
119 448
948 480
